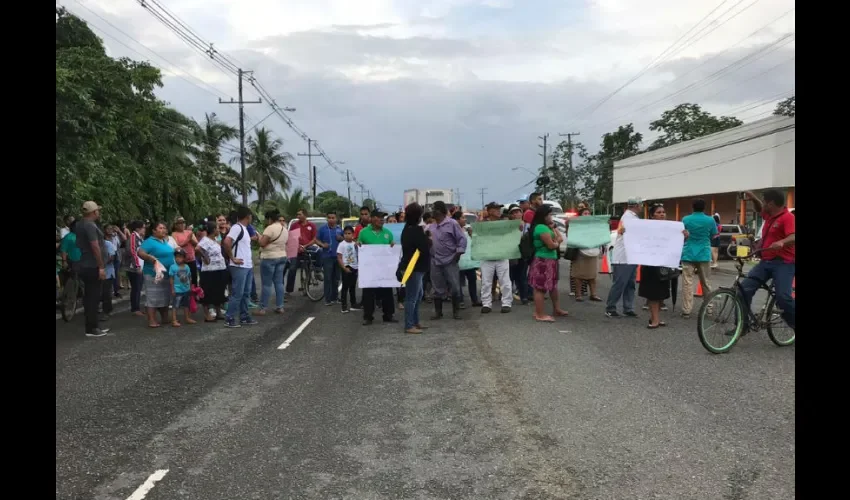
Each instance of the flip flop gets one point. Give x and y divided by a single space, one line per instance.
545 319
156 325
562 314
652 327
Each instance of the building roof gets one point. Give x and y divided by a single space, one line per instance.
756 155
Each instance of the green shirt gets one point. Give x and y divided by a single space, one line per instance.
69 246
368 236
540 249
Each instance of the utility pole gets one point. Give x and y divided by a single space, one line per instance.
241 104
543 177
569 136
482 192
311 170
348 186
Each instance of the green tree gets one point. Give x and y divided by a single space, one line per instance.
368 202
597 171
331 201
268 165
688 121
565 180
289 204
788 107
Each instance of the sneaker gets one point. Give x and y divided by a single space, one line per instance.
345 310
612 314
329 303
505 309
355 307
231 323
645 308
664 308
252 305
97 332
485 310
248 321
631 314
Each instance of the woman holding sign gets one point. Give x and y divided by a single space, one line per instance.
543 273
414 245
655 281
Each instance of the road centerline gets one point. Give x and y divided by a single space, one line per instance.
296 333
148 485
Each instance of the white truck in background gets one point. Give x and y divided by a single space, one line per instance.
427 197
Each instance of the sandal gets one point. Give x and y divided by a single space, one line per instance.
562 314
579 299
175 324
154 325
595 298
661 323
653 327
545 319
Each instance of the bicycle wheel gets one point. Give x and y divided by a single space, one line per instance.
720 321
69 299
311 286
777 329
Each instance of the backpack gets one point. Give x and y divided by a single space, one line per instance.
526 246
234 247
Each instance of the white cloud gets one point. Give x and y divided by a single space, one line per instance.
405 90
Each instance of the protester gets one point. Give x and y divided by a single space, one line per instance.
448 243
328 239
134 267
584 268
91 267
213 275
180 281
237 247
468 268
187 241
498 268
413 239
377 234
273 261
696 254
625 274
158 255
348 263
715 242
543 273
307 238
655 281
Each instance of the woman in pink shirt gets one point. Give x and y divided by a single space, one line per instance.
186 240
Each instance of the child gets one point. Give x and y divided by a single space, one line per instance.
181 278
106 297
346 254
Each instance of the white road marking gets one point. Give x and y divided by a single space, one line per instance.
296 333
564 331
148 485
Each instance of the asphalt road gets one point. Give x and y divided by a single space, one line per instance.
490 407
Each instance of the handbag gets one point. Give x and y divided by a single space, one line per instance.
668 273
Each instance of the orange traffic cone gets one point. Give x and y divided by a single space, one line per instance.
794 288
605 268
637 280
699 289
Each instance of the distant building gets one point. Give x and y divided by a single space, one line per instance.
717 168
427 197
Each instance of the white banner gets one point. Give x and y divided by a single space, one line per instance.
654 242
377 266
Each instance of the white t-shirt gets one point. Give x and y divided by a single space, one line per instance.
618 256
349 253
213 251
241 250
172 242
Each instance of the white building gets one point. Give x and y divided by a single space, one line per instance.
717 167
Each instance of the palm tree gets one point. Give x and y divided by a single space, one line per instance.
289 204
268 165
210 136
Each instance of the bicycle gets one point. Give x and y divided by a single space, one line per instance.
71 297
308 276
729 298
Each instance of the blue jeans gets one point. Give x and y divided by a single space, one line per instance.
271 272
783 277
241 279
623 287
413 293
330 268
468 275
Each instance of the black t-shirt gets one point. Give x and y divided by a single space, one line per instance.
413 238
87 233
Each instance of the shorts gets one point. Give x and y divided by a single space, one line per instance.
180 300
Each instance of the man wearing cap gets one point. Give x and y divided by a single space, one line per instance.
448 244
377 234
92 265
519 267
501 268
625 274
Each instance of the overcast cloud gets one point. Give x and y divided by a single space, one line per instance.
453 93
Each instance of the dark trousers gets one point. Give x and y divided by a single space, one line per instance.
94 292
193 268
385 295
471 279
349 288
137 281
106 297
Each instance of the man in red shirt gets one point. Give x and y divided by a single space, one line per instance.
778 254
535 200
306 238
365 220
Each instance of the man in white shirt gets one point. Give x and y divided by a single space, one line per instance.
624 274
237 248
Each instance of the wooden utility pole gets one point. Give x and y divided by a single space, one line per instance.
311 170
241 104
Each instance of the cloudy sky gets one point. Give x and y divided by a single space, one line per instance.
454 93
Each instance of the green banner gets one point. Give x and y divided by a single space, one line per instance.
589 231
496 240
466 263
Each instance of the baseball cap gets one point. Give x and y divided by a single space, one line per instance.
522 199
493 204
513 207
378 213
90 206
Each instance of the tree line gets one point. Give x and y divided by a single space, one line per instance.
577 175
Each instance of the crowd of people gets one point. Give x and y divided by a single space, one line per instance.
211 264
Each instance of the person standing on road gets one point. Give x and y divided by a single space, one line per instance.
500 268
237 247
365 220
448 243
584 268
111 272
214 275
158 255
328 239
92 265
186 240
413 239
715 243
654 287
778 257
377 234
134 267
468 268
307 238
348 264
696 254
625 274
543 272
272 262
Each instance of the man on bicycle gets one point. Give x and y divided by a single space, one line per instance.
777 256
307 238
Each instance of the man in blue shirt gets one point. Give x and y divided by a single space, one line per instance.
328 239
696 254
